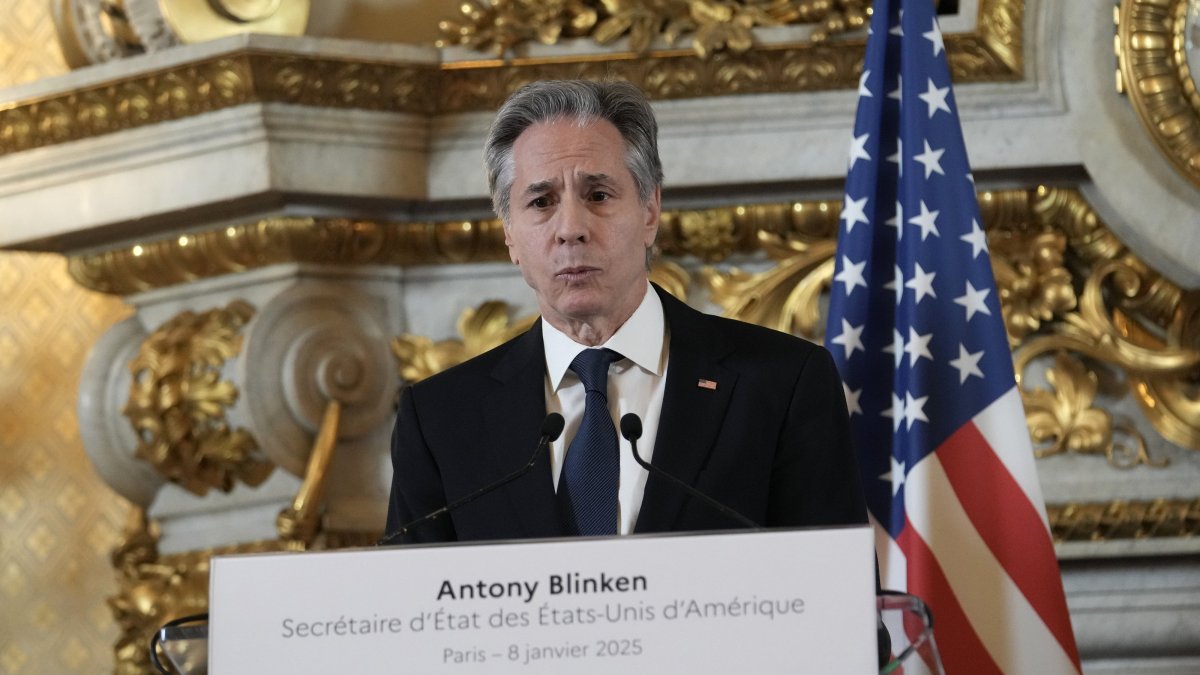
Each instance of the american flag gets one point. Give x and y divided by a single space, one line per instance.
916 329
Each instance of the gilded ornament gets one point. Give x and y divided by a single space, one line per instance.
1066 421
499 26
481 329
1123 520
672 278
1034 285
154 589
177 402
785 297
1153 71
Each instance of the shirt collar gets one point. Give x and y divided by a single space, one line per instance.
640 340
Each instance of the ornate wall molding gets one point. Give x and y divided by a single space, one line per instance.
1153 71
1123 520
992 52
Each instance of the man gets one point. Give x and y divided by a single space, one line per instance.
752 417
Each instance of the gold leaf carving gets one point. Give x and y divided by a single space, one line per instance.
497 26
177 402
1034 286
481 328
1067 420
672 278
1123 520
154 589
785 297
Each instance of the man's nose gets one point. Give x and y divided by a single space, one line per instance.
572 222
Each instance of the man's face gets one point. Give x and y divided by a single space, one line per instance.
576 226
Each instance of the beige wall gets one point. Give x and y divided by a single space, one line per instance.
58 520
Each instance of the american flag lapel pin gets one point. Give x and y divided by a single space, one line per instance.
707 384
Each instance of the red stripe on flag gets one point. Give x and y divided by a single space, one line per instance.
1010 525
960 647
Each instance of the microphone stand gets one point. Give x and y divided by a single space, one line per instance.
631 429
551 429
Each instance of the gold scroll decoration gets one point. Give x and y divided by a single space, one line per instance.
177 402
991 52
1153 72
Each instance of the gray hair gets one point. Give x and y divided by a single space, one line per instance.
620 103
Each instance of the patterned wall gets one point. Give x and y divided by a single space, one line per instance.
58 520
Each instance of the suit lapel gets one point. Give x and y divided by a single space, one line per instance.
513 415
692 414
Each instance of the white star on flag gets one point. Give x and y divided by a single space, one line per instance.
932 159
973 300
896 412
858 149
935 98
862 84
897 220
914 409
895 476
896 349
897 284
967 364
851 274
898 92
934 35
976 238
921 283
852 396
850 338
854 211
918 346
926 220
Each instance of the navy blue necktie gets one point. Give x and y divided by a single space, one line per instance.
587 486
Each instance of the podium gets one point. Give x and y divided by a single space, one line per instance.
774 601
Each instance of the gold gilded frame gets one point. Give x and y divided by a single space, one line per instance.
1154 73
992 52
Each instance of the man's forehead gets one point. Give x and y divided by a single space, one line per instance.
551 151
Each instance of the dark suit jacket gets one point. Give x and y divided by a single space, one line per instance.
771 441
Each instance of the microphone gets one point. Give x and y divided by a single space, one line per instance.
552 428
631 429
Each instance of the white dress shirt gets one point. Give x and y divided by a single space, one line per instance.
635 385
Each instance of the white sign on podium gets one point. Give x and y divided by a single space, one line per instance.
756 602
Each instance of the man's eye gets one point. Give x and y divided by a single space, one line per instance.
540 202
600 196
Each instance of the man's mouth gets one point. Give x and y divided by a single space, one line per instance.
573 274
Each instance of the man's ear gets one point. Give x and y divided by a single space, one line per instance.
653 213
512 251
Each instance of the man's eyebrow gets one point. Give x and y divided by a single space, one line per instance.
597 178
540 187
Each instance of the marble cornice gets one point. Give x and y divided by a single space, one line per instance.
342 79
